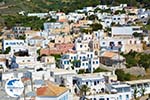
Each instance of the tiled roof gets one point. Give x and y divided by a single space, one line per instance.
108 54
37 37
50 90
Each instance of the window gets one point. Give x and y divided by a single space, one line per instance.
86 83
130 42
80 58
94 82
94 98
75 58
96 62
88 55
120 97
127 97
82 64
107 99
91 56
103 43
93 62
6 43
89 62
135 29
134 42
83 57
67 62
97 82
80 46
101 99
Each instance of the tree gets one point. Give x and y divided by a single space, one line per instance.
92 17
145 61
96 27
122 76
22 37
84 89
135 34
135 93
76 63
7 50
142 91
100 70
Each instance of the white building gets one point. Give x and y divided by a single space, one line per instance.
40 15
114 92
17 44
125 44
96 82
139 85
81 60
63 77
125 30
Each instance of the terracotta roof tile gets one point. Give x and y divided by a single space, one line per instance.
50 90
108 54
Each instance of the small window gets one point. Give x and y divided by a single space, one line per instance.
93 62
86 83
80 46
83 64
96 62
103 43
95 83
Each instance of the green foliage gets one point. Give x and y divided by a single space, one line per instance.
100 70
133 59
38 51
84 89
143 91
135 93
130 59
145 61
40 56
76 63
96 27
122 76
34 22
86 31
135 34
22 37
81 71
120 12
131 14
57 56
92 17
7 50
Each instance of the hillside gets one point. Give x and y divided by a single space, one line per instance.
14 6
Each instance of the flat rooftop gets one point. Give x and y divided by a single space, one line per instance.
62 71
138 81
93 75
